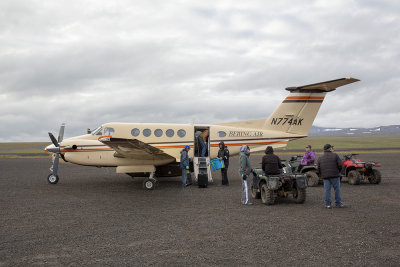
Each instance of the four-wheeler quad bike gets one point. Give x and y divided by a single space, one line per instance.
357 171
311 171
271 187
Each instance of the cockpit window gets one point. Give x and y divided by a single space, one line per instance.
108 131
97 131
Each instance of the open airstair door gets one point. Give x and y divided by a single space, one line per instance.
202 171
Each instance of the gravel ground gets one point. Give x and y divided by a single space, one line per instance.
97 217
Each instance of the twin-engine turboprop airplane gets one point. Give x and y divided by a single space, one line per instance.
143 149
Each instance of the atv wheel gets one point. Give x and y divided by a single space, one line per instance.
300 196
267 195
375 177
354 177
312 178
254 193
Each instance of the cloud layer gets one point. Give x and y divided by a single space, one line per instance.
90 62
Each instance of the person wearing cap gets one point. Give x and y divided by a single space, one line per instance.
271 163
185 164
244 171
223 154
308 158
329 166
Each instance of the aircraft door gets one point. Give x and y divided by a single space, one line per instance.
201 141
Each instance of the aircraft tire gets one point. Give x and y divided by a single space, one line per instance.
52 179
149 183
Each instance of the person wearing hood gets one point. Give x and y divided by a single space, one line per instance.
244 171
185 164
223 154
329 166
271 163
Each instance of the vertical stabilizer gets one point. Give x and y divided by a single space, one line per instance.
297 112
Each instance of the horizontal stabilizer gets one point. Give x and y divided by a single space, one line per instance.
327 86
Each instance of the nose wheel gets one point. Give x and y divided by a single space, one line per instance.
52 179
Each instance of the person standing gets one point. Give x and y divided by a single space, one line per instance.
223 154
244 171
308 158
203 138
185 164
329 166
271 163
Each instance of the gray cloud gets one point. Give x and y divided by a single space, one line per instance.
86 63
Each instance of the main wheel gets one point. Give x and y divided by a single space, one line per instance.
254 193
267 195
300 196
354 177
52 179
312 178
149 183
375 177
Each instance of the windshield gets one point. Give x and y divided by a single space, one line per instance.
97 131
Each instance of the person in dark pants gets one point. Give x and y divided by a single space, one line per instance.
271 163
184 164
329 166
223 154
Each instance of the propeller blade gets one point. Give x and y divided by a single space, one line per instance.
55 164
61 133
53 139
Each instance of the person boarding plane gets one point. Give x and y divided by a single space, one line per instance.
153 150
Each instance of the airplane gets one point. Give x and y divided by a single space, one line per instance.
153 149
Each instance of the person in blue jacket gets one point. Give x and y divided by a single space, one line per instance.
185 164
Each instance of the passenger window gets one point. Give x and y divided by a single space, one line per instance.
170 132
135 132
221 134
158 132
147 132
181 133
108 131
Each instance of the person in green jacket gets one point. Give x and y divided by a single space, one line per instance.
244 171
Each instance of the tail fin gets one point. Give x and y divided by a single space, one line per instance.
297 112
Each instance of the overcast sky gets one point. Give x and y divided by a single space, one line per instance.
90 62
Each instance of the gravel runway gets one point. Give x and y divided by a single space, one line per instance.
94 216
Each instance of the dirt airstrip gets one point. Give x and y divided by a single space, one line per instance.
97 217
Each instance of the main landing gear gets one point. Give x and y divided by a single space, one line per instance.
150 183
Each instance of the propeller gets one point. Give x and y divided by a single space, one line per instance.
53 176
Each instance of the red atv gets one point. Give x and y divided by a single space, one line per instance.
357 171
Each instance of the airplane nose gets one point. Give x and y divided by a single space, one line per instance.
52 148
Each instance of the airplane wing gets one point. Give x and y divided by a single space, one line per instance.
327 86
133 148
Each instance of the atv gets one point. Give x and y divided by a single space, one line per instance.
311 171
356 171
271 187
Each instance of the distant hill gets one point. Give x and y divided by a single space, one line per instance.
381 130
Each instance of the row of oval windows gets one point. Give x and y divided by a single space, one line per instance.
170 133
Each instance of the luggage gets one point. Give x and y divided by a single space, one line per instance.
217 164
202 180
